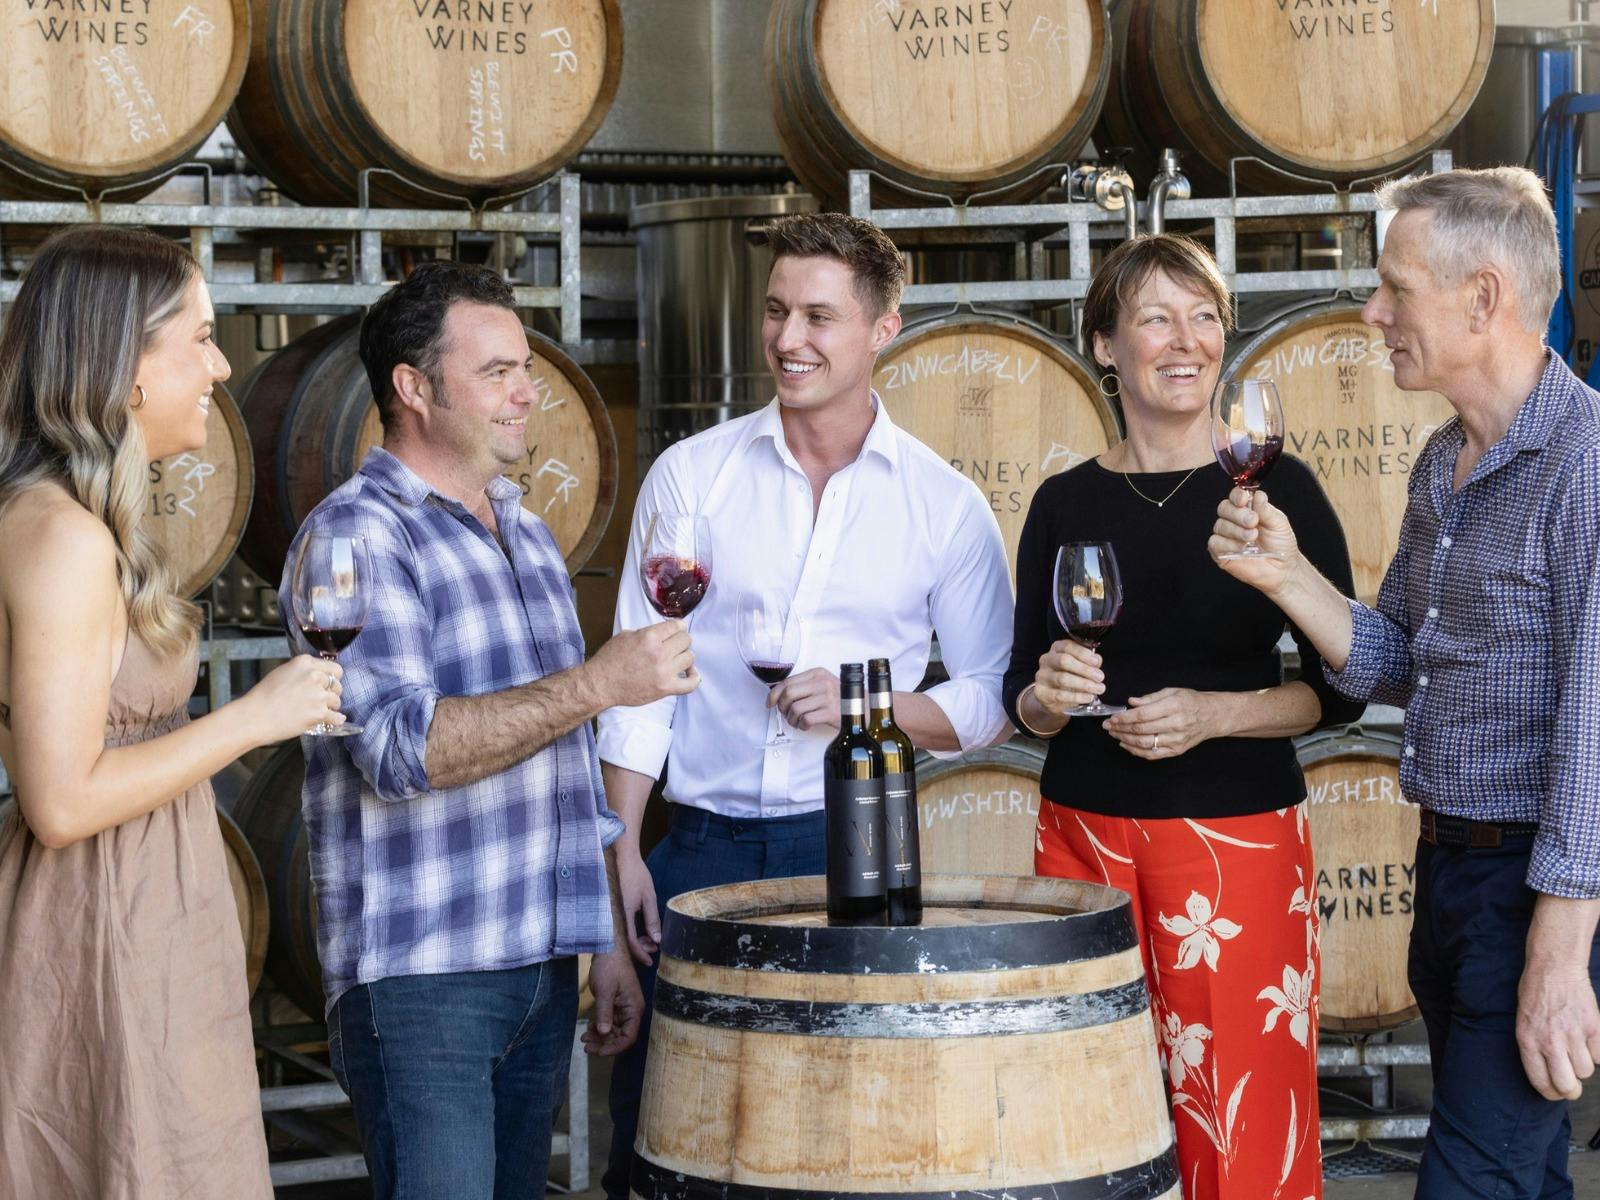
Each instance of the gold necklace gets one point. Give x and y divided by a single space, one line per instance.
1161 503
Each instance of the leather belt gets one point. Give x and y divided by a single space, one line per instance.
1442 830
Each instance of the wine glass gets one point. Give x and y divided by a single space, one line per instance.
1247 435
763 621
330 589
676 563
1088 592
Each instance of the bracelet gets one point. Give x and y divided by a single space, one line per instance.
1021 720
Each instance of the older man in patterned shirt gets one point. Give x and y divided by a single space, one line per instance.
461 844
1487 630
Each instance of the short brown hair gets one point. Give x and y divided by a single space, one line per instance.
1126 269
877 264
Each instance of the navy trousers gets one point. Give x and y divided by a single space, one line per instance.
702 850
1491 1134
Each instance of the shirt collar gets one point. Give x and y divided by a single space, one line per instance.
1540 415
880 438
411 489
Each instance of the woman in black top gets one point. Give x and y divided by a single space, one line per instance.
1192 799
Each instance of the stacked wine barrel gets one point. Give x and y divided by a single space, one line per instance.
1347 420
1001 400
1327 92
449 100
100 97
199 499
312 420
946 98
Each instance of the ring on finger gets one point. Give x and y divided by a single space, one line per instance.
1155 744
330 681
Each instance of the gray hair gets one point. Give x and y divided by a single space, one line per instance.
1497 217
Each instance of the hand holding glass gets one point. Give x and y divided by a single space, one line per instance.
330 590
1247 436
1088 598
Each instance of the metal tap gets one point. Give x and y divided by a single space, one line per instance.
1169 184
1108 185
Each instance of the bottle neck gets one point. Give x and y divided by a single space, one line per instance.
853 711
882 708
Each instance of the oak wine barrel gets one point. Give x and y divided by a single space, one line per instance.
249 897
200 499
312 420
104 94
1004 1047
1327 91
980 812
1346 419
953 97
477 99
1363 838
1001 400
268 814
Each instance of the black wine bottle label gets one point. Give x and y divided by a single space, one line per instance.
856 852
900 821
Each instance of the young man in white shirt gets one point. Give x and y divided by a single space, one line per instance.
878 542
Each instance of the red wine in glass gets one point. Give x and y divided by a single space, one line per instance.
1247 437
675 585
675 565
767 644
328 642
330 588
1088 600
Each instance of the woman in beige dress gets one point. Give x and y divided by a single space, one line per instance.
126 1067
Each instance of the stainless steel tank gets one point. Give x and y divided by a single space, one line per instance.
702 276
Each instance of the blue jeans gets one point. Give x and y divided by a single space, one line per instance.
1491 1134
701 850
456 1079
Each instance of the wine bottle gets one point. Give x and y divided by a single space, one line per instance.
852 794
900 818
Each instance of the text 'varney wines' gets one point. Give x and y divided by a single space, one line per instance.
904 864
852 793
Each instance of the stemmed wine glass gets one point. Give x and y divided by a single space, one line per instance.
1247 435
330 589
1088 595
763 622
676 563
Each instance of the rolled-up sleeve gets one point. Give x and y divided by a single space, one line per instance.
971 610
1566 852
639 738
389 685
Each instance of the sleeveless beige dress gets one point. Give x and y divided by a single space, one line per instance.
126 1065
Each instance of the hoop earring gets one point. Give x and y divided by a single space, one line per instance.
142 397
1113 392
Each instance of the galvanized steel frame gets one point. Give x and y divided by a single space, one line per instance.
1077 218
365 226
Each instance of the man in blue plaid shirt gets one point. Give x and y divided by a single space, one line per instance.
461 843
1487 630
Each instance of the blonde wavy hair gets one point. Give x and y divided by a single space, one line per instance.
90 306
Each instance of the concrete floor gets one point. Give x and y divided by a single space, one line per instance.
1411 1087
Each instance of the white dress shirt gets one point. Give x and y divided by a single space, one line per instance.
903 546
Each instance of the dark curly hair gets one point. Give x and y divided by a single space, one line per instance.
406 324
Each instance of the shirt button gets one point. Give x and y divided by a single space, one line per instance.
1422 681
566 872
1411 751
1432 613
1446 542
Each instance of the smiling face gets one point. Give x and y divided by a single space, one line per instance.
1166 349
482 389
177 374
820 340
1425 324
